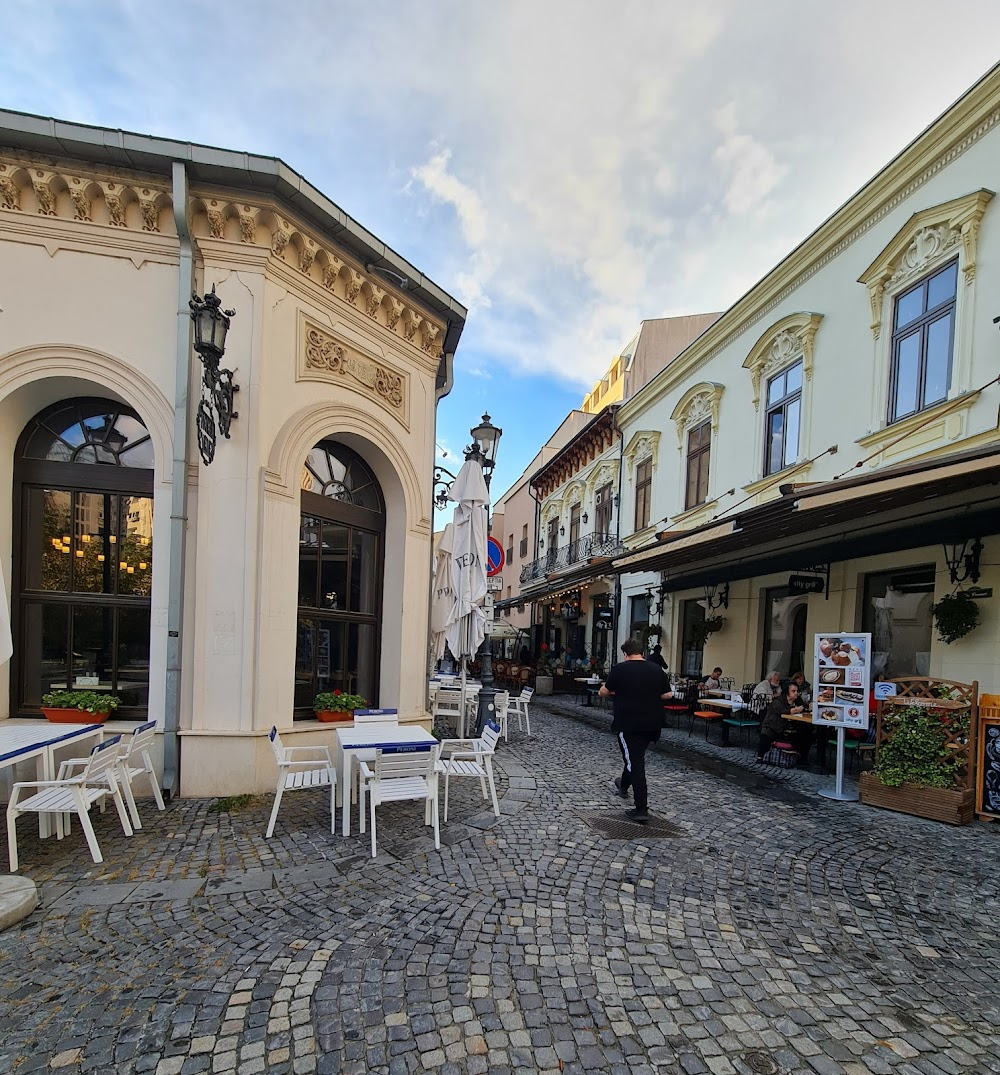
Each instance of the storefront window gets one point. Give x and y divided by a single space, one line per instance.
784 633
85 541
692 650
897 612
341 535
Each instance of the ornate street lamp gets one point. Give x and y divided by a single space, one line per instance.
211 323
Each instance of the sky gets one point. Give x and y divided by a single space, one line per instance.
565 168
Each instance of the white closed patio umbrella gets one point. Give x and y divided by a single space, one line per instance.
467 625
442 592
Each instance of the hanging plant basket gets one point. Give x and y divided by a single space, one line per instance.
955 616
701 631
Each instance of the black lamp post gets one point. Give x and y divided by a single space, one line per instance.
485 440
211 323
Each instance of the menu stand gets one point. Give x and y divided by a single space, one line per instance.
837 791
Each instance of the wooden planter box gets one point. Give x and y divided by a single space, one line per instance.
954 807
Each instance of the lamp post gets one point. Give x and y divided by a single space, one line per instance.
211 323
485 440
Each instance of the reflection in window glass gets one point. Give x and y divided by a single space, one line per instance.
361 659
938 357
132 684
907 375
44 650
93 638
909 307
364 573
941 287
49 540
333 567
310 532
781 428
897 612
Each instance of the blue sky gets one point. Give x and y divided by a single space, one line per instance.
564 167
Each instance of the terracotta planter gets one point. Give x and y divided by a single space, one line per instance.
335 716
74 716
952 806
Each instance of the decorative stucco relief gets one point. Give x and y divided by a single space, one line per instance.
642 446
325 357
602 475
785 342
925 241
697 405
121 201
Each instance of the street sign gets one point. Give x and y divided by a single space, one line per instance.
494 557
494 583
806 584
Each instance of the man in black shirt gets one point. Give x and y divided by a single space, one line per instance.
638 688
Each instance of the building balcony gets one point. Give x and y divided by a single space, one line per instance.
593 546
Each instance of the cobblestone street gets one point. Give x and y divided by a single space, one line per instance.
763 930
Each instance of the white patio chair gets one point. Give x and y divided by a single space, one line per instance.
471 757
400 774
133 760
73 795
448 704
317 772
370 718
519 706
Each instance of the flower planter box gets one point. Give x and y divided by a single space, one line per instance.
335 716
543 684
74 716
954 807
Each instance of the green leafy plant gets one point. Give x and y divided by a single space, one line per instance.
701 631
914 748
955 616
87 701
338 702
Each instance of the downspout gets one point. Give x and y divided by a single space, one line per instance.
443 384
538 523
179 485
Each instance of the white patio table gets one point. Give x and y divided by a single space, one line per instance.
354 741
22 742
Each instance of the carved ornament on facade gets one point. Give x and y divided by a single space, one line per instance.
326 357
280 237
331 270
149 210
602 475
355 282
643 445
698 404
80 198
791 338
248 223
307 255
10 192
926 241
216 220
42 184
375 297
393 313
114 199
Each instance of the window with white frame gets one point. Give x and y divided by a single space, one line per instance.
923 334
782 419
643 493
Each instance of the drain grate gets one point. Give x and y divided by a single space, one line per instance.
760 1061
616 827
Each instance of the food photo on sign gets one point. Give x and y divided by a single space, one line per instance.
842 651
841 670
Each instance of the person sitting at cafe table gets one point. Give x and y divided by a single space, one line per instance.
711 682
775 726
805 687
768 686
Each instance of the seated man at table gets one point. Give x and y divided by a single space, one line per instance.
775 726
712 682
769 685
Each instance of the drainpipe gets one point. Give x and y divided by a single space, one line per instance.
618 537
179 486
443 384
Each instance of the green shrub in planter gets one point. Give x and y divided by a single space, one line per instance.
915 749
87 701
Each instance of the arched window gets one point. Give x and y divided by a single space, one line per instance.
83 545
341 543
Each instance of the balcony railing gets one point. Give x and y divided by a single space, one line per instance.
576 552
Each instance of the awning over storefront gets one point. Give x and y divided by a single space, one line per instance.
903 507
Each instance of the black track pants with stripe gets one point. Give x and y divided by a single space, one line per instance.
633 750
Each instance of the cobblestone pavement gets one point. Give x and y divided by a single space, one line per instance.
766 930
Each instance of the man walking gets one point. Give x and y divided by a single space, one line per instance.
638 688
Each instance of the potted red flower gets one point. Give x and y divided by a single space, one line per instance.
334 706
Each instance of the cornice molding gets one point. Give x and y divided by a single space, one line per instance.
782 344
925 241
698 403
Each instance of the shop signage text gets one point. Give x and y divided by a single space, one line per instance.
806 584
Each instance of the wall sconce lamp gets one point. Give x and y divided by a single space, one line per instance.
963 560
585 518
716 597
562 530
541 543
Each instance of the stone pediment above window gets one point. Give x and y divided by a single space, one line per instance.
643 445
698 404
605 474
785 342
927 240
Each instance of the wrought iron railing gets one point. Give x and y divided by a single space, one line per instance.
585 548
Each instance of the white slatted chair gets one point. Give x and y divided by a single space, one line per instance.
399 774
370 718
501 702
471 757
133 761
448 704
519 706
72 795
293 775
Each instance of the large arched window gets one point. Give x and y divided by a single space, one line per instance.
83 541
341 542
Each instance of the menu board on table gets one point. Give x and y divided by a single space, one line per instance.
841 679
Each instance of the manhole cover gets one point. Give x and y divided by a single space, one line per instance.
616 827
760 1061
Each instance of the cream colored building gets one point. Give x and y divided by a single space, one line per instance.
839 423
299 560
